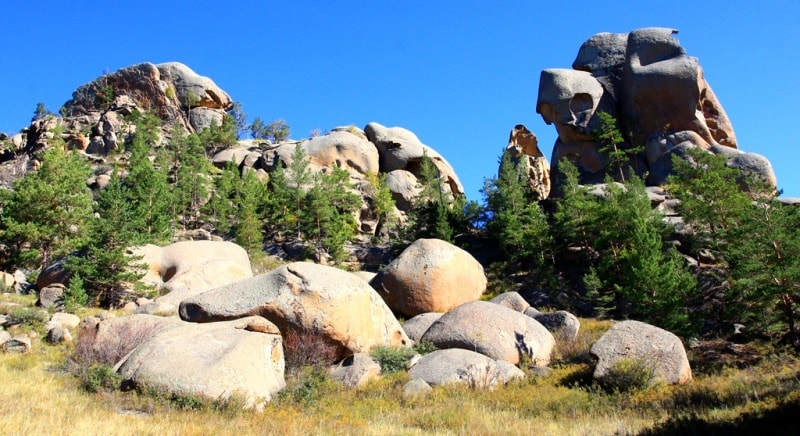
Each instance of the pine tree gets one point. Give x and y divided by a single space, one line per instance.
192 179
44 217
104 264
147 190
327 218
221 208
250 202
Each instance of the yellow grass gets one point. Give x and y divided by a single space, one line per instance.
37 396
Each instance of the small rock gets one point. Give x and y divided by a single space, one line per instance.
57 335
17 344
356 371
416 388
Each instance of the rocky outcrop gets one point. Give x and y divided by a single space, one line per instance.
109 339
644 344
657 94
400 149
304 297
188 268
416 327
430 275
243 357
494 331
524 150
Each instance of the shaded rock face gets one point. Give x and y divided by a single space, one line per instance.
652 346
657 93
305 297
430 275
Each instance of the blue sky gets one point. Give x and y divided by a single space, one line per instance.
458 74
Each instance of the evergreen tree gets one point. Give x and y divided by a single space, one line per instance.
433 212
630 270
518 222
382 202
239 118
755 243
250 202
104 264
192 179
327 218
147 190
221 208
43 218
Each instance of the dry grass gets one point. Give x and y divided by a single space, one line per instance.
37 396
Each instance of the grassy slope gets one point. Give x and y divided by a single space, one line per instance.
37 396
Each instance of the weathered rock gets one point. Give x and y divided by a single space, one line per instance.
430 275
52 297
512 300
347 150
53 273
416 388
456 365
110 339
418 325
365 275
748 163
404 188
524 150
214 360
189 268
642 342
306 297
400 149
7 281
493 330
61 319
560 323
58 334
507 372
17 344
236 154
4 337
356 371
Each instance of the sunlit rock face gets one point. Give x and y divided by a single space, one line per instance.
659 97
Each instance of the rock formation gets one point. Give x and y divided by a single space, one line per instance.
657 94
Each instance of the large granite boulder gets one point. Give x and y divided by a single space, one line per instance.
346 149
306 297
494 331
416 327
187 268
109 339
461 366
651 346
430 275
215 360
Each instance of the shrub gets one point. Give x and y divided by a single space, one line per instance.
424 347
629 374
27 316
100 377
304 348
308 386
391 359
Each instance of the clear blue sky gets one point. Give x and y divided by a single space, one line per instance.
458 74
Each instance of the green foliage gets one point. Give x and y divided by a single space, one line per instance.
424 347
220 136
276 131
27 316
310 385
100 378
435 213
391 359
75 295
613 141
327 217
239 118
44 216
191 171
630 270
104 97
250 202
627 374
104 265
382 203
757 243
517 221
40 112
